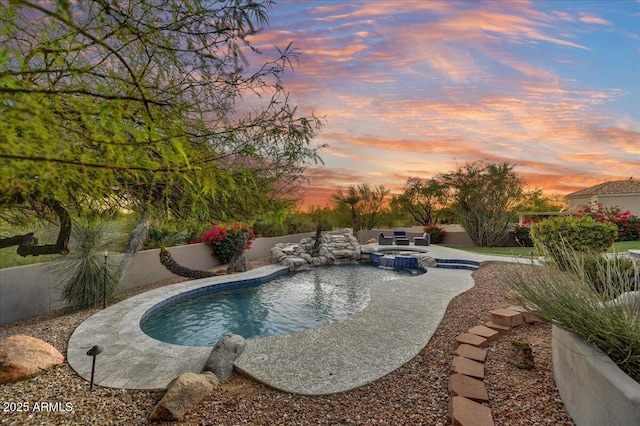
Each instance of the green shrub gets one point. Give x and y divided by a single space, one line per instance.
568 299
81 273
582 234
266 229
159 237
296 224
293 224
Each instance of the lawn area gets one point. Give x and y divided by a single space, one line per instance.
618 247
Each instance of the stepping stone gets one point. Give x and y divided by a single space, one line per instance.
474 389
467 367
486 332
526 316
471 339
506 317
472 352
465 412
502 329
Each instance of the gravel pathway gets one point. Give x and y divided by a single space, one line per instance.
415 394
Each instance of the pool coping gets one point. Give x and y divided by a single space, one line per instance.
134 360
337 357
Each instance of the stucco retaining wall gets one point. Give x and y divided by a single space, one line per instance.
27 291
594 390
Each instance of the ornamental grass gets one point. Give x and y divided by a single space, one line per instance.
597 297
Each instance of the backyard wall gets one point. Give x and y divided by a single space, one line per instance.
27 291
456 236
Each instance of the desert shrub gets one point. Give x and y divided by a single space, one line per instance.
161 237
582 234
436 233
628 224
81 273
223 240
297 224
568 299
267 229
292 224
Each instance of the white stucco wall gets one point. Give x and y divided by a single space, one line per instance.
27 291
629 202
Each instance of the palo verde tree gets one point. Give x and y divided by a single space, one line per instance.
371 205
423 199
484 199
149 106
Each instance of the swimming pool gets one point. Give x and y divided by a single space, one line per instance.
305 300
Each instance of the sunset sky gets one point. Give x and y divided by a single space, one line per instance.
415 88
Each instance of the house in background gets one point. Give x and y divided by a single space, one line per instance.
622 193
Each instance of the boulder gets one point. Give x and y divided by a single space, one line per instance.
366 249
426 261
223 355
22 357
183 392
211 377
371 241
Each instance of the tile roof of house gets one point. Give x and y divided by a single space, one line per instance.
628 186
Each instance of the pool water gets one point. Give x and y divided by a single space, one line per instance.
304 300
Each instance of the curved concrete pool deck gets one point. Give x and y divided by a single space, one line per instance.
392 329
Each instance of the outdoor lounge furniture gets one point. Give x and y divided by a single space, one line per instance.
425 240
402 241
385 241
400 238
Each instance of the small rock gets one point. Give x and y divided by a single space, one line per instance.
23 356
521 355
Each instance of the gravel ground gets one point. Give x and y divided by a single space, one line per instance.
415 394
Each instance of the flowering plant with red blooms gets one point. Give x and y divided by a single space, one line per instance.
522 233
628 224
223 239
436 233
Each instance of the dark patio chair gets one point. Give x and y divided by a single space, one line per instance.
425 240
384 241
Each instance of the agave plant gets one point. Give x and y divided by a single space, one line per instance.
81 273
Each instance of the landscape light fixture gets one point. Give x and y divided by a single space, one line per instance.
94 351
104 287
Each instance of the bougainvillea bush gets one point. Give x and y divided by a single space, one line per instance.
223 239
523 233
436 233
628 224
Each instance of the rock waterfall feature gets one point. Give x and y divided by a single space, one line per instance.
335 247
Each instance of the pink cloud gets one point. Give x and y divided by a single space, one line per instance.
593 19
